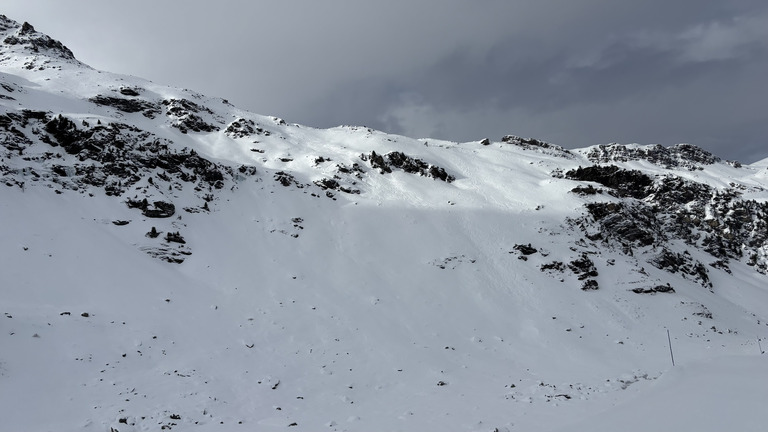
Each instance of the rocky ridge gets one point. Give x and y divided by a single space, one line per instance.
129 160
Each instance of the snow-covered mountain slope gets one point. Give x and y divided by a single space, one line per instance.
172 262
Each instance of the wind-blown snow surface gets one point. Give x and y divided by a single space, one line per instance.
402 307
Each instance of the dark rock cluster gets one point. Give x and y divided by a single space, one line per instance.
655 211
683 264
524 251
622 183
114 158
148 109
627 223
333 184
240 128
121 154
157 209
653 290
287 179
186 116
535 144
583 267
385 164
680 155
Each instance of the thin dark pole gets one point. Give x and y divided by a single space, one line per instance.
669 339
760 346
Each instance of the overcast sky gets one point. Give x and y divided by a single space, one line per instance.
571 72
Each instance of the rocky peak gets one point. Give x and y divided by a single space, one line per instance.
31 40
7 23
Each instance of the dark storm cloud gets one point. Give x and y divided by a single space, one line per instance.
574 72
701 81
623 70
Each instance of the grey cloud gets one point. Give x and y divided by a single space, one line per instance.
621 69
697 83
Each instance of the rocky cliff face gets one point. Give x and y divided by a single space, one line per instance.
678 156
656 211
